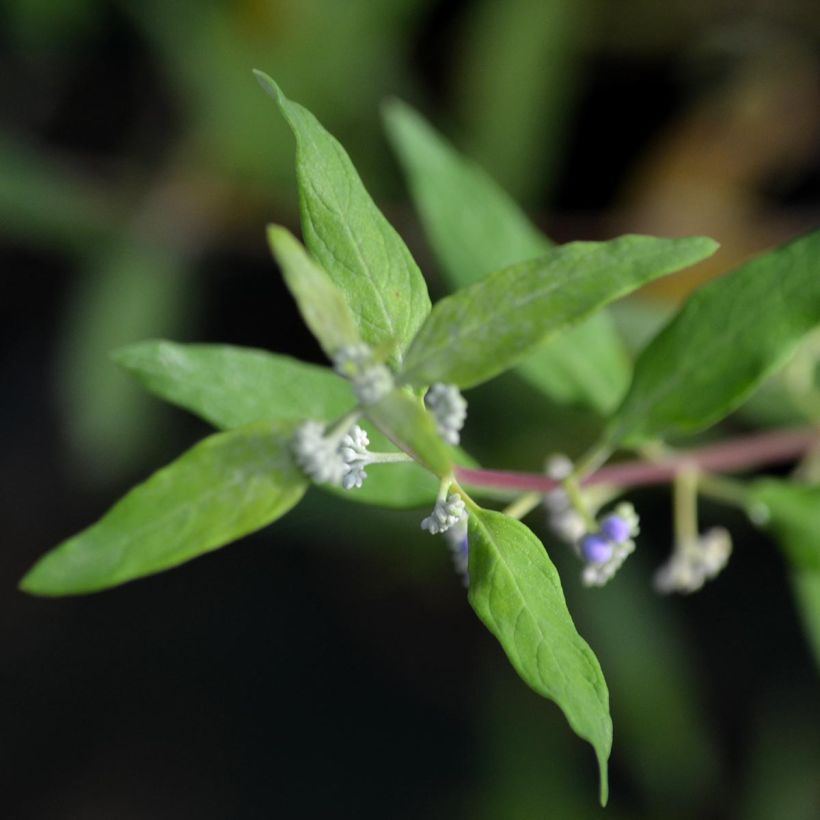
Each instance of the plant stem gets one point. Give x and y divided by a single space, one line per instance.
685 486
732 456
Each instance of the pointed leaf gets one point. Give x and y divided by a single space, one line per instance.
794 516
806 587
321 303
516 592
225 487
349 236
728 337
475 228
231 386
479 332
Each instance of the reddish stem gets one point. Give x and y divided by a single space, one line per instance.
733 456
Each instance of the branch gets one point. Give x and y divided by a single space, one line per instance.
733 456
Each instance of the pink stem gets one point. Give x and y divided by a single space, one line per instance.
733 456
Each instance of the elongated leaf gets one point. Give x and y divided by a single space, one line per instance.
405 421
350 237
806 586
516 592
479 332
794 516
475 228
225 487
321 303
233 386
729 336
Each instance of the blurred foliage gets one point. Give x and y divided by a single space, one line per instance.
205 162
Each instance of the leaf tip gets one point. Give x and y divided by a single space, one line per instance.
603 795
269 85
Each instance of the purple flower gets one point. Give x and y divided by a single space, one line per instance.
595 548
616 529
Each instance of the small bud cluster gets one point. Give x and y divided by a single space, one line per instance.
356 457
604 551
327 459
695 562
447 513
371 379
459 547
449 409
563 519
317 453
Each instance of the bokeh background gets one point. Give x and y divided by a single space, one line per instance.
330 666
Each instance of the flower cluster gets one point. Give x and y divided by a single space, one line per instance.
318 454
371 379
605 550
459 546
694 562
332 459
356 457
447 513
449 409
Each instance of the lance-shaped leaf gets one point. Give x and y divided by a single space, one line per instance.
478 332
233 386
475 228
794 516
349 236
806 587
728 337
516 592
405 421
227 486
321 303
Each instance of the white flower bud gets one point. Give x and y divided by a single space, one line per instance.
693 563
449 409
355 456
316 454
446 514
371 380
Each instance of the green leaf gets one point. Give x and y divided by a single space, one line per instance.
321 303
475 228
350 238
233 386
794 516
516 592
225 487
479 332
728 337
405 421
806 586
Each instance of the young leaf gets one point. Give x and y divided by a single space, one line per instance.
225 487
405 421
516 592
794 516
349 236
479 332
321 303
806 586
475 228
729 336
233 386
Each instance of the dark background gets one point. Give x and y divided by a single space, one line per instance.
329 666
